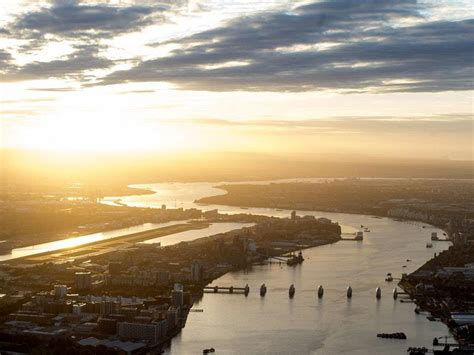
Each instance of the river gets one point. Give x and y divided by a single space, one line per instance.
81 240
305 324
187 236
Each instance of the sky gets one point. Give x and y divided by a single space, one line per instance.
376 77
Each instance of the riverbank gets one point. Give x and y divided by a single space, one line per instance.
445 285
435 202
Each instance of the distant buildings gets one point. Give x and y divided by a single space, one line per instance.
196 272
151 333
177 296
60 291
83 280
124 347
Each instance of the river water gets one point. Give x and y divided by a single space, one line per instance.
187 236
81 240
275 324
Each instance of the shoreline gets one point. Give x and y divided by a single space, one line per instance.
204 201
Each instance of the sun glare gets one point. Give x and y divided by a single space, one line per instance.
98 133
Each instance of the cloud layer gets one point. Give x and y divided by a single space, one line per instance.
73 19
352 45
344 45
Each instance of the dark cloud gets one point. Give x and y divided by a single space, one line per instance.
84 23
5 56
73 19
5 61
341 44
85 58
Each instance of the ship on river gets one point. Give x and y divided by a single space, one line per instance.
295 259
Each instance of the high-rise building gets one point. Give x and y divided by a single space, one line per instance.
83 280
177 296
151 333
109 307
60 291
172 318
196 271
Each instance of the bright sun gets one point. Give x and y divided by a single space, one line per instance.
66 133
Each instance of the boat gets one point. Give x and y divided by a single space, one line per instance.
263 290
295 259
320 291
292 261
399 335
378 293
389 277
429 245
349 292
291 291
